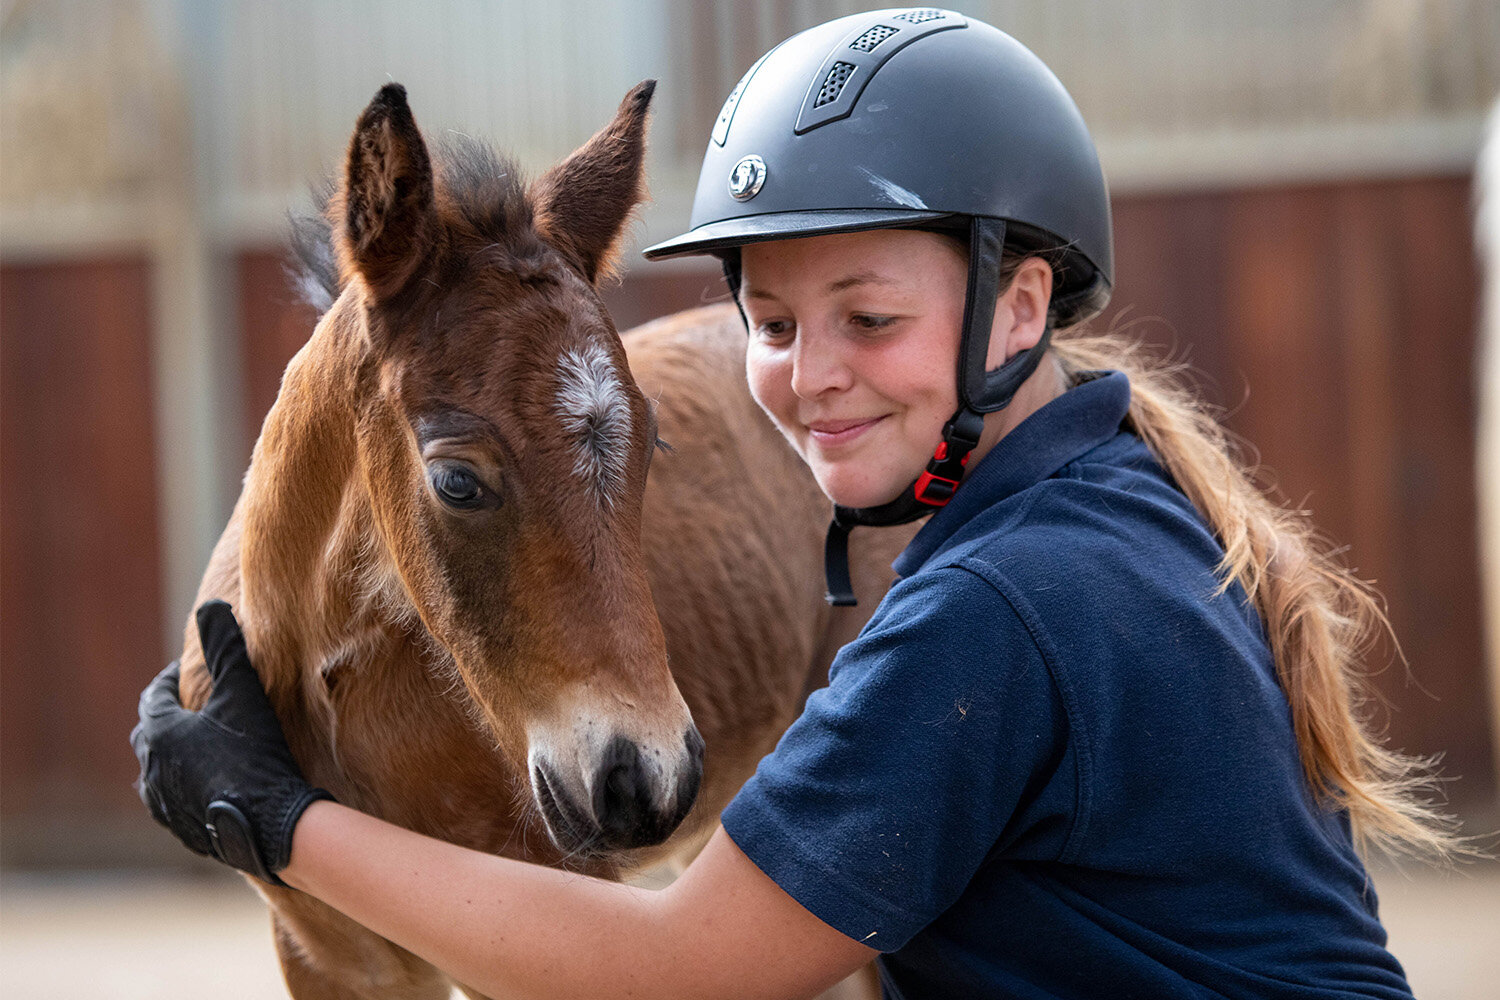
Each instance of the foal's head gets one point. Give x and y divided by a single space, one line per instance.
504 444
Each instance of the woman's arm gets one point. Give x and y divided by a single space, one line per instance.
223 780
508 928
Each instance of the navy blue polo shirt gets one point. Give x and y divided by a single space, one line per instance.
1057 762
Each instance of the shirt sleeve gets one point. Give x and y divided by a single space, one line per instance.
917 764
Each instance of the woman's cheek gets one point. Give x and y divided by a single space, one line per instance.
770 380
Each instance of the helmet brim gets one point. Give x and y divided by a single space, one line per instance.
713 237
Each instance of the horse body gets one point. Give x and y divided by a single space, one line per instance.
456 581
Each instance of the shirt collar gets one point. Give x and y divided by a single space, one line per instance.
1081 419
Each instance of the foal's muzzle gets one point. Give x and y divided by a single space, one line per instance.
631 794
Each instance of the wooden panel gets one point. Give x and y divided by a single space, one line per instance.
80 596
274 325
644 295
1335 323
1435 518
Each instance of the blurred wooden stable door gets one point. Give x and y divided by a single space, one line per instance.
1334 322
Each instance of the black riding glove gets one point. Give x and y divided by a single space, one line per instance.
222 779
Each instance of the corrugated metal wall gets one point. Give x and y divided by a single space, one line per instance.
249 101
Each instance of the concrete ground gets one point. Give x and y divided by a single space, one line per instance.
143 938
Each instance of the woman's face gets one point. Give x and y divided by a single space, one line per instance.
853 352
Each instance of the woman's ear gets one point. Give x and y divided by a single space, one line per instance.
1021 312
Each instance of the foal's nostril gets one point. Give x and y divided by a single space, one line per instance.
692 775
622 794
629 807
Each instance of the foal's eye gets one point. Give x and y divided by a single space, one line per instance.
457 486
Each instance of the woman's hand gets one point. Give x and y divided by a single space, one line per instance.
222 779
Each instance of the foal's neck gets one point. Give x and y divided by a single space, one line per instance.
308 554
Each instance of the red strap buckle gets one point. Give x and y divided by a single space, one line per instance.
935 491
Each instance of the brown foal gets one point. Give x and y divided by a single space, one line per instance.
458 586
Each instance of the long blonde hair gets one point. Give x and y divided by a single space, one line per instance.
1319 618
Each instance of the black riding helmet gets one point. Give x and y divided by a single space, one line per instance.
912 118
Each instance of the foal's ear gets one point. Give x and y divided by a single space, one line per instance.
384 216
582 204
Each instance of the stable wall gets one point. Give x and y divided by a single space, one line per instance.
1335 322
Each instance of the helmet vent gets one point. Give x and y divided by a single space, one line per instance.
726 114
855 58
873 37
833 83
920 15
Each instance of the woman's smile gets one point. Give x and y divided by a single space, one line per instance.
829 433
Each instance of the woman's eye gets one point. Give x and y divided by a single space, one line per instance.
457 486
867 322
774 329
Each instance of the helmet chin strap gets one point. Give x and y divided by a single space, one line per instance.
931 490
979 392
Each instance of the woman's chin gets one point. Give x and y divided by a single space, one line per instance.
856 493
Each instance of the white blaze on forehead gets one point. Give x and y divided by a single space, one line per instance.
592 406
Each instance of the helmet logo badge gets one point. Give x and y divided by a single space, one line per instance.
747 178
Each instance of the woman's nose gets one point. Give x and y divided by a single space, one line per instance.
818 365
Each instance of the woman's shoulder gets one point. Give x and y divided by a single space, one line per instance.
1107 565
1111 515
945 612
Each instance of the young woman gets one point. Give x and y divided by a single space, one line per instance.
1101 737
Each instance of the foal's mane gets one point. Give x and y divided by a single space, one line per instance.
478 190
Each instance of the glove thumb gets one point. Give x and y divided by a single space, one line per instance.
238 695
